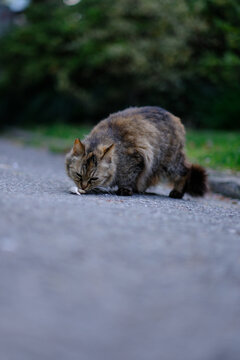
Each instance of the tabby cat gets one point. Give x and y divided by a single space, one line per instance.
132 149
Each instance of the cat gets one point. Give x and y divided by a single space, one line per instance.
133 149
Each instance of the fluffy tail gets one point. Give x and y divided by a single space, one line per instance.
196 184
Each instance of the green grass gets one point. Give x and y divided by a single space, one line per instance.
214 149
56 137
63 131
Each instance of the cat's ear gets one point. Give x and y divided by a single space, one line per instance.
78 148
107 151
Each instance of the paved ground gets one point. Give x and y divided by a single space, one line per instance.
101 277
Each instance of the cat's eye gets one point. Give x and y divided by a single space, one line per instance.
79 176
93 179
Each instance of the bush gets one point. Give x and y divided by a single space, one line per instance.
82 62
214 84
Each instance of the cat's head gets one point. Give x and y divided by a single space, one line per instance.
91 169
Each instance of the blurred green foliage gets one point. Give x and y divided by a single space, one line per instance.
79 63
214 148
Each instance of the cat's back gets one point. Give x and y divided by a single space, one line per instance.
135 124
143 118
148 121
134 115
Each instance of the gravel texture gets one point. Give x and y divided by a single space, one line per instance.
102 277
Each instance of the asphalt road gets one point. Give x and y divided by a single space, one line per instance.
102 277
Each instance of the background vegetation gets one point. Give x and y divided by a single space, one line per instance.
216 149
76 64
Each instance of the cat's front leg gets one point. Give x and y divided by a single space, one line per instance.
124 191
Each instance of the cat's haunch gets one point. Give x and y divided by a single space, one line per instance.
132 149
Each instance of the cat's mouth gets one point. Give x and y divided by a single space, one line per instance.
86 189
81 191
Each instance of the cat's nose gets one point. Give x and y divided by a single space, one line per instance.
84 186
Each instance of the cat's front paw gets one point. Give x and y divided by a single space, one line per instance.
124 192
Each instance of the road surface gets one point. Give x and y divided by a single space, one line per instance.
102 277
